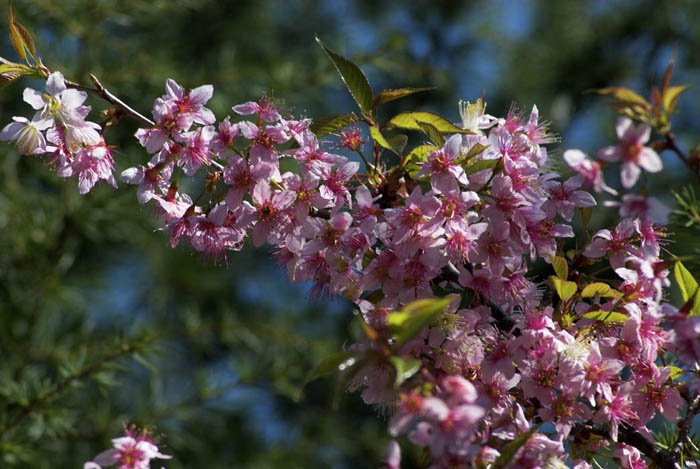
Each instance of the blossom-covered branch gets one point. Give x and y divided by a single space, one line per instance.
464 343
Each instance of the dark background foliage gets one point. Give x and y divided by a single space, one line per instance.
102 323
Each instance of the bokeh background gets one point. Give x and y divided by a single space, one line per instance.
223 349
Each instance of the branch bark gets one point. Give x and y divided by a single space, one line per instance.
685 425
102 92
671 144
632 437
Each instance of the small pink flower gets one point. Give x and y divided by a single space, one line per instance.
28 135
351 138
617 244
196 152
644 208
189 106
589 171
132 451
265 108
445 174
90 164
563 198
632 152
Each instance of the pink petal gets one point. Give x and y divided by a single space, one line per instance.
173 90
622 126
629 174
200 95
55 83
34 98
246 109
611 154
649 160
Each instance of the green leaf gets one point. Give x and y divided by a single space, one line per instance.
475 150
328 125
339 361
675 372
624 95
405 368
692 305
352 76
600 289
409 120
481 165
16 36
414 317
585 213
19 36
432 132
379 138
561 267
27 38
512 447
671 95
413 162
390 95
397 141
8 78
606 316
564 289
685 281
13 67
376 296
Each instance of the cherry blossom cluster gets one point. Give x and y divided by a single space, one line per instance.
508 357
73 145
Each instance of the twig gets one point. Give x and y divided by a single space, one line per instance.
105 94
61 385
673 146
630 436
685 425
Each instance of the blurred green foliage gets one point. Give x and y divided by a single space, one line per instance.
103 324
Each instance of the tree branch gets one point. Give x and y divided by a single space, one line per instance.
105 94
634 438
673 146
57 388
685 425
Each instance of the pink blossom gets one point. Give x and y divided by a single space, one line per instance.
444 173
658 395
630 458
150 180
616 408
132 451
639 206
266 210
589 171
196 151
265 108
563 198
616 244
28 135
189 106
90 164
686 339
413 217
632 152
